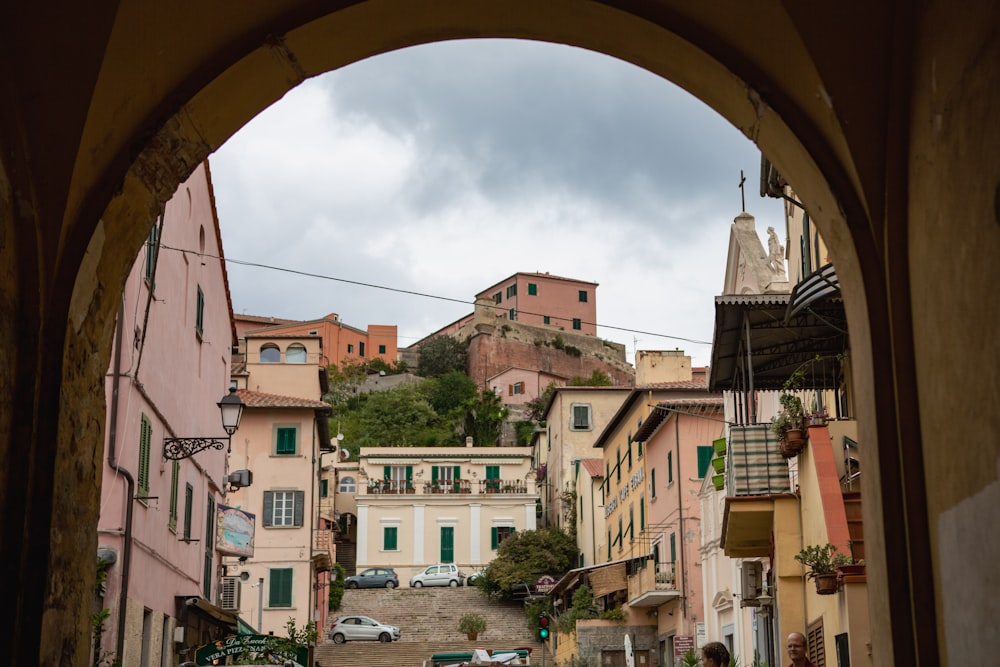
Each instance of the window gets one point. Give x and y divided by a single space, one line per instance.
546 319
145 444
618 466
389 537
208 572
493 478
283 508
151 245
532 289
631 523
515 389
705 454
175 479
512 290
199 315
642 513
280 594
348 485
512 314
630 453
577 324
446 474
400 478
188 510
447 544
498 534
381 349
583 296
581 417
350 348
670 467
361 349
295 354
673 547
269 354
652 482
284 441
324 488
498 297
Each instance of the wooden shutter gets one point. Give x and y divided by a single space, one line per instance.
188 509
409 476
145 442
286 441
268 507
389 538
387 472
457 473
670 467
280 594
300 503
705 454
494 538
816 651
447 544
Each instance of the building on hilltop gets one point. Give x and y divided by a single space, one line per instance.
565 304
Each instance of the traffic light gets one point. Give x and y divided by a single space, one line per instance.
543 627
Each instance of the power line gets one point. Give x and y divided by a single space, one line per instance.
308 274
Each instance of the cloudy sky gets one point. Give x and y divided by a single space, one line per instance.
442 169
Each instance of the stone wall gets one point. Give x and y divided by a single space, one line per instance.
595 637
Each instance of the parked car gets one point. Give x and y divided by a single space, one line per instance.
373 577
471 579
361 628
442 574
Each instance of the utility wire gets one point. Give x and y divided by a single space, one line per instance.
397 290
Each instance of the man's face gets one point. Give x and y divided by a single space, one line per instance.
796 646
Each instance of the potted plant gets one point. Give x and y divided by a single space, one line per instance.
819 559
719 481
719 464
472 625
719 445
789 425
848 566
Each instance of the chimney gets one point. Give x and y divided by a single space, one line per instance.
468 441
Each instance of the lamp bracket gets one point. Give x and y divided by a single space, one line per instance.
175 449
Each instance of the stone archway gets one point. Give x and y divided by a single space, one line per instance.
113 104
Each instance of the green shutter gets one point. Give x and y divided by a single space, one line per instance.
324 488
280 594
387 472
705 453
145 443
670 467
434 474
642 513
457 473
494 538
300 503
175 480
447 544
673 548
389 537
268 508
652 482
188 509
285 441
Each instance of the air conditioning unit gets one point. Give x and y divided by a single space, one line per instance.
752 582
229 594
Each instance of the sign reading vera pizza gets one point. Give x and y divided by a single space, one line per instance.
265 647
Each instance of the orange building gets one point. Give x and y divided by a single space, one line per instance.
340 341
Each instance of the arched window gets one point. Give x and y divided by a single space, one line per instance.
347 485
295 354
270 354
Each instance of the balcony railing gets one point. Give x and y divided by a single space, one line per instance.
461 486
754 466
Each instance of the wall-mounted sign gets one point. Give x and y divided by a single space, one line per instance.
234 531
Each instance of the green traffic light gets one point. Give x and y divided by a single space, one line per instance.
543 633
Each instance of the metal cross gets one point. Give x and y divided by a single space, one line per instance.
743 200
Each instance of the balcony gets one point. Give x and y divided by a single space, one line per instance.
461 486
754 466
322 553
653 585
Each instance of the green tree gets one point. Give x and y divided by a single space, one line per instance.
598 378
396 418
442 354
336 587
484 419
536 407
449 394
527 555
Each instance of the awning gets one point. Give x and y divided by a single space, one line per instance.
569 579
760 341
218 614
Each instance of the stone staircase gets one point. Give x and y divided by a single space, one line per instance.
428 623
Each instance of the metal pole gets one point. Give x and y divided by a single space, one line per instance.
260 605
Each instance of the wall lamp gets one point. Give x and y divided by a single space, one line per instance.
231 408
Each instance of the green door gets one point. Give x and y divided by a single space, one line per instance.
447 544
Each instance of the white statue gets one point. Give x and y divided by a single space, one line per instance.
776 253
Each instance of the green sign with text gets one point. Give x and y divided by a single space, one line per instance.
266 649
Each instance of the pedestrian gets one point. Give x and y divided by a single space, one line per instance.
796 647
714 654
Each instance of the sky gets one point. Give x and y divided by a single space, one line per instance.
393 190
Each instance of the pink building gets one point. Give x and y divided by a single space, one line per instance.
170 368
541 298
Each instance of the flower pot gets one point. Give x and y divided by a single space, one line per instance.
719 446
851 569
826 584
472 635
719 481
790 449
719 464
796 436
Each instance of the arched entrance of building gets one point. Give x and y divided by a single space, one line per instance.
112 104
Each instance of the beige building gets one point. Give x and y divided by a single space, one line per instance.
422 505
282 436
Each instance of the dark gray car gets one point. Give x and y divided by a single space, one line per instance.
373 577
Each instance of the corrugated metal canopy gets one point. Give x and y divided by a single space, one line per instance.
780 342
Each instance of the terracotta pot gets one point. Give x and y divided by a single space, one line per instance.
796 436
790 448
851 569
826 584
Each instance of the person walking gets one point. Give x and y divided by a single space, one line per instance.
714 654
796 647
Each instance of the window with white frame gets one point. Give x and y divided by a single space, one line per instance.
348 485
283 509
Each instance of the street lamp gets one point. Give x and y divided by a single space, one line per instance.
231 408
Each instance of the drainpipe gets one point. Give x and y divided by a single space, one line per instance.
129 484
680 511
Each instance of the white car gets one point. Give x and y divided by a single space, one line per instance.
442 574
361 628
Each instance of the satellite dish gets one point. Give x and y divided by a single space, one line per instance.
340 436
244 575
344 455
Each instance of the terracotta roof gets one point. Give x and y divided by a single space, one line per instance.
699 380
690 406
262 319
259 399
593 466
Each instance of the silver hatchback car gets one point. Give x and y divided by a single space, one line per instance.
442 574
361 628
